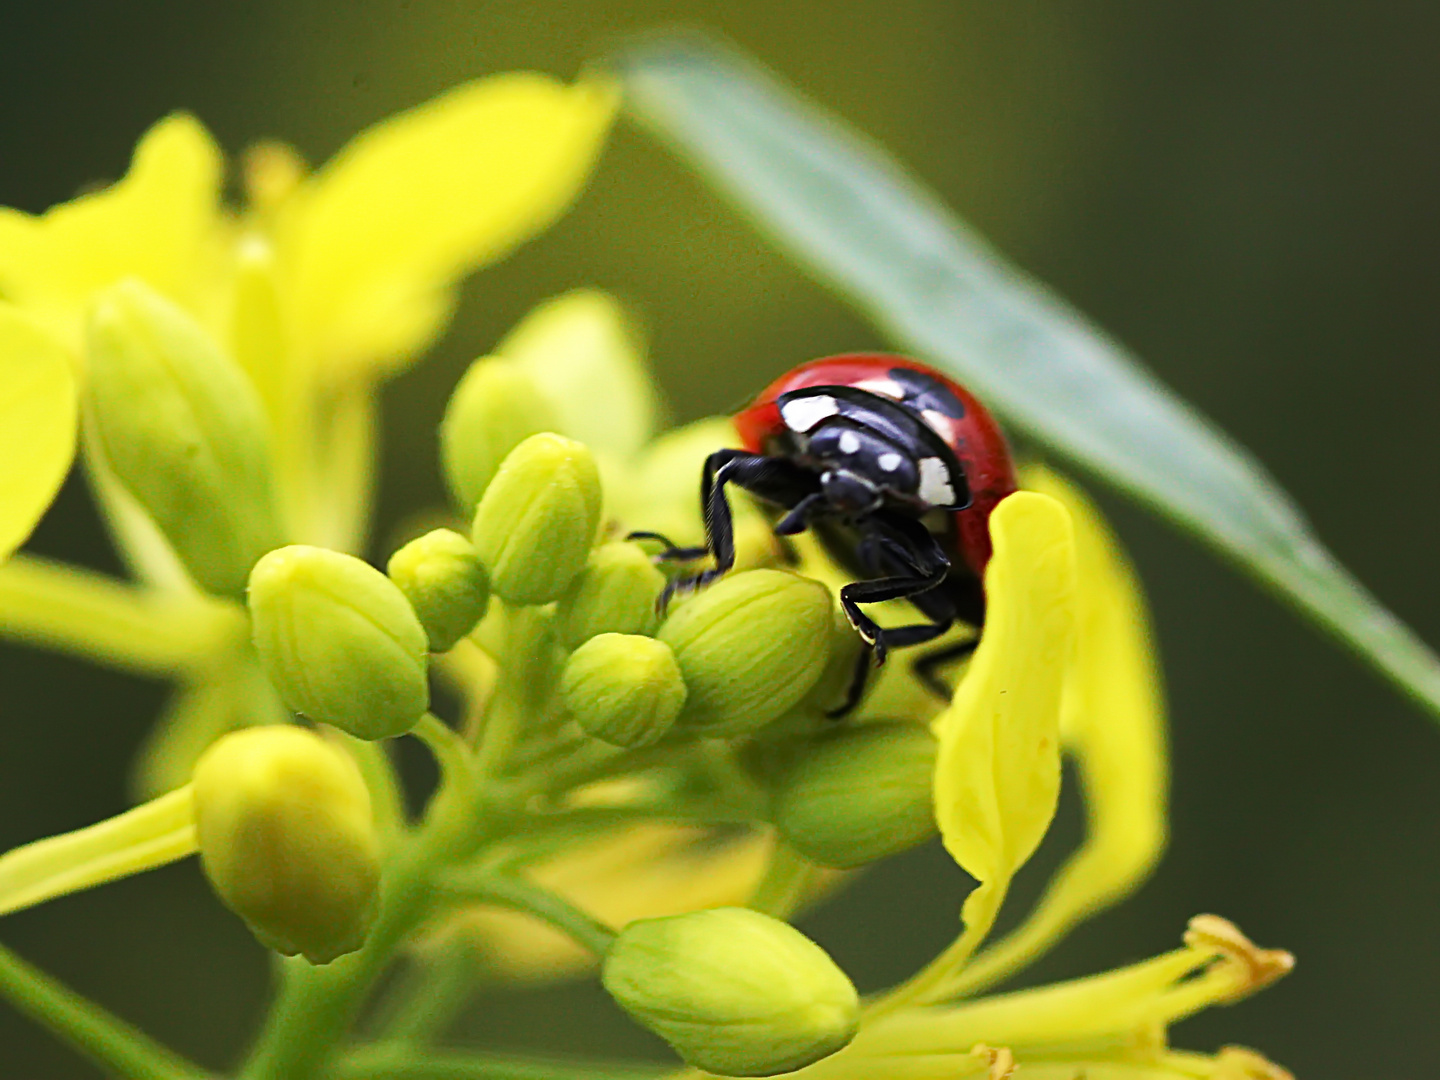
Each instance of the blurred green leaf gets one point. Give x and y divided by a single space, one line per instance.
851 215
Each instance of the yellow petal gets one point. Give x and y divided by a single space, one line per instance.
378 238
159 223
1118 1013
37 424
997 777
1113 722
151 835
588 360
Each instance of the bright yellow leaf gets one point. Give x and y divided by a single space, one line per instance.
37 424
159 223
378 237
997 777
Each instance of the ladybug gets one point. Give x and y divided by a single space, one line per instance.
895 468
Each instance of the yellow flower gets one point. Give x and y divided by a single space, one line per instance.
322 284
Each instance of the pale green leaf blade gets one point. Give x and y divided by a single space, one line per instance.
846 211
37 424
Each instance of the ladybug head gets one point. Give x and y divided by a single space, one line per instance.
870 451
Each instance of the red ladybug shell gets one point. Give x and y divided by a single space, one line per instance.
943 405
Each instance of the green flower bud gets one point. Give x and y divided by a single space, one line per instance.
623 689
615 594
287 839
494 408
441 576
183 430
859 794
536 522
339 641
750 647
734 992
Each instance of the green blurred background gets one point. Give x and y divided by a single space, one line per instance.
1244 193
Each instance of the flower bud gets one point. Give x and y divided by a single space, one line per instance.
536 522
615 594
287 839
339 641
859 794
623 689
183 430
494 408
734 992
750 647
441 576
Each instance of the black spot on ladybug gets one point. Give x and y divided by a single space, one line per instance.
927 394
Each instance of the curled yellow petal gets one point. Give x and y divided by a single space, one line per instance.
151 835
378 237
160 223
37 424
1112 721
997 776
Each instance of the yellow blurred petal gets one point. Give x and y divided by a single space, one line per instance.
378 238
1113 722
645 871
37 424
997 777
160 223
588 360
151 835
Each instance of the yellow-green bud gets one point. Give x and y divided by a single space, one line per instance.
623 689
750 647
859 794
441 576
734 992
339 641
536 522
287 839
183 430
494 408
615 594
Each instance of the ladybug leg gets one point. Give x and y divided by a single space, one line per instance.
879 640
773 479
925 667
795 521
672 552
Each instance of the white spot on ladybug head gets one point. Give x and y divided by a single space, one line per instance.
803 413
849 442
935 487
884 387
939 423
890 462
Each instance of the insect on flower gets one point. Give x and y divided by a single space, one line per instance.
895 468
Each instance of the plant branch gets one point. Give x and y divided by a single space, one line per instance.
518 894
107 1040
386 1064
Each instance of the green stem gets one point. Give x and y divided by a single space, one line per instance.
786 883
78 611
451 752
519 894
428 997
388 1064
107 1040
